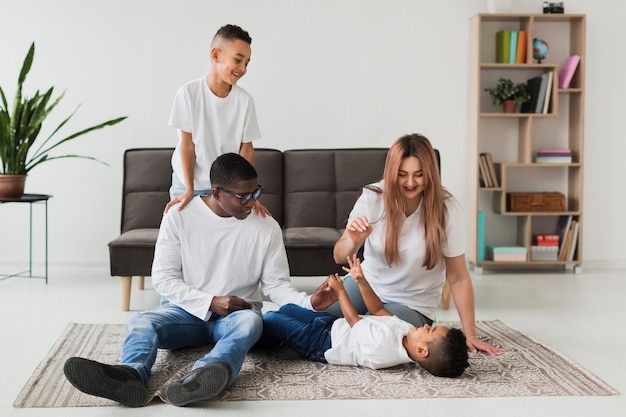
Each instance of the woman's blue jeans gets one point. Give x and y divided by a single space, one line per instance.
171 327
401 311
305 331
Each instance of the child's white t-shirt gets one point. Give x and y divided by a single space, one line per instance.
373 342
217 125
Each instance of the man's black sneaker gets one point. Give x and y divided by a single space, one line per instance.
119 383
199 385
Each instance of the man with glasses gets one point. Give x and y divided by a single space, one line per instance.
208 263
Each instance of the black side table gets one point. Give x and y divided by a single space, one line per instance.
31 199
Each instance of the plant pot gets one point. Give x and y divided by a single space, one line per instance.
12 186
509 106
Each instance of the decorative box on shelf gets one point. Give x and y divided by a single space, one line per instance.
507 253
535 202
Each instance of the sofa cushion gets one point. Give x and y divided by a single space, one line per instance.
311 237
322 185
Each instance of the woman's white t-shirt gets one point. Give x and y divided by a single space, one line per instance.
407 282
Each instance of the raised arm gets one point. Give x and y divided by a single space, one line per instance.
349 312
352 239
372 301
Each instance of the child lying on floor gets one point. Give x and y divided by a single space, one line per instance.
377 340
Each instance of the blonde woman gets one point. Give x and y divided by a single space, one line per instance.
413 234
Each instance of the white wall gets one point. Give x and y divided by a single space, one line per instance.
324 73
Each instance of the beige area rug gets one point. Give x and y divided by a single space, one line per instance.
527 368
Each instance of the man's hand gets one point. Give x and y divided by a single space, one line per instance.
223 305
323 297
184 199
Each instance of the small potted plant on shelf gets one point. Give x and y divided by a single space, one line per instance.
19 128
508 94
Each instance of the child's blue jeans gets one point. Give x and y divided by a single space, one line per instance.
305 331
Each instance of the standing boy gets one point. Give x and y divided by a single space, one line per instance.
213 116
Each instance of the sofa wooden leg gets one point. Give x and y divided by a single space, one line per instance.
126 284
140 282
445 296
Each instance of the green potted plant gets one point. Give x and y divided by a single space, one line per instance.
508 94
19 129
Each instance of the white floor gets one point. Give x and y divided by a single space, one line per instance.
582 316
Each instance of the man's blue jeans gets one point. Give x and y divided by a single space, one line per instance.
401 311
305 331
171 327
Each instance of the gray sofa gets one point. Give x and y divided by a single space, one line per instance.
310 192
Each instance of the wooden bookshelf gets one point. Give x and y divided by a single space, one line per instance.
513 139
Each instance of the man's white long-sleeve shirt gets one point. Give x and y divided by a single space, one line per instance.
200 255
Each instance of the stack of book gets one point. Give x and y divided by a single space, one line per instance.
545 248
540 89
559 156
507 253
511 46
487 171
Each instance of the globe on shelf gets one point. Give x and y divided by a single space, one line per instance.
540 49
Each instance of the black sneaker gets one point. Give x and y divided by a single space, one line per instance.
119 383
199 385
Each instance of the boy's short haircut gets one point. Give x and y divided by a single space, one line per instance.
447 356
230 168
231 33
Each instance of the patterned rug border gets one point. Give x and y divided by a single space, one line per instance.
528 367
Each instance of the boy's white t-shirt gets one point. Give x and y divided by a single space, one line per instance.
217 125
373 342
407 282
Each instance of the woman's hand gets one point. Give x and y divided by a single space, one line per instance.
474 344
359 229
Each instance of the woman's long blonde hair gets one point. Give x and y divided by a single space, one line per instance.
433 208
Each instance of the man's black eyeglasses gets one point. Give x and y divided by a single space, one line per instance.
245 198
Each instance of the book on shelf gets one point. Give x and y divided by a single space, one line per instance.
561 229
564 252
507 249
507 253
484 173
572 248
554 152
491 170
481 237
546 240
513 47
522 44
503 46
534 84
541 97
544 253
546 102
568 70
554 159
554 155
